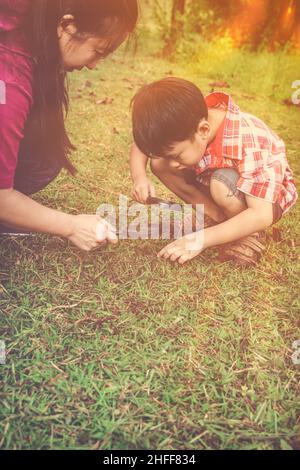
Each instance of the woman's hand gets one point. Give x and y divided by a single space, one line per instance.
89 232
143 188
184 249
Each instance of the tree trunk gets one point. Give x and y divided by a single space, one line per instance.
287 25
176 28
297 24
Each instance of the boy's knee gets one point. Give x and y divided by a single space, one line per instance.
219 192
224 196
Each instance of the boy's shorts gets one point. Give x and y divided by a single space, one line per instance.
230 177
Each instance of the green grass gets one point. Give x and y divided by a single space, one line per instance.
265 74
117 349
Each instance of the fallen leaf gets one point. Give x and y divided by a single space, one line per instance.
105 101
87 84
248 97
289 102
220 84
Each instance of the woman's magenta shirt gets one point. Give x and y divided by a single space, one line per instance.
16 77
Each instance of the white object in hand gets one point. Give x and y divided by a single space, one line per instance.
101 231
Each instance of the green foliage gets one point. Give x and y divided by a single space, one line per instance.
162 15
261 74
200 21
205 20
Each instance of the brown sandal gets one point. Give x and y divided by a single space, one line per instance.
244 252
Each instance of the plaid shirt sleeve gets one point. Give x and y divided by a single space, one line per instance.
247 144
264 170
259 178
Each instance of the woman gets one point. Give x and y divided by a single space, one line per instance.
41 40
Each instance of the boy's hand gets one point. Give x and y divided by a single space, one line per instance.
143 188
184 249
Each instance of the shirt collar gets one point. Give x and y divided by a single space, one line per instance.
228 142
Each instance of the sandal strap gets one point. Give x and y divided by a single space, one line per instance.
241 258
254 244
246 251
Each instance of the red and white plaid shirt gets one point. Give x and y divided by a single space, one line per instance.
247 144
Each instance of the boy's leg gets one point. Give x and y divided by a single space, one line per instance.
223 186
223 189
176 181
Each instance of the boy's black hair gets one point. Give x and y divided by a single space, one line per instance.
166 112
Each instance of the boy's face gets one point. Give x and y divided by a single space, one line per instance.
189 152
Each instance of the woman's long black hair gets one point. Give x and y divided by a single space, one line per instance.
45 134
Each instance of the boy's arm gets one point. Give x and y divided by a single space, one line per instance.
143 188
257 217
138 163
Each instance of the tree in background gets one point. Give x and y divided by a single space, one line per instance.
287 27
176 27
265 23
253 22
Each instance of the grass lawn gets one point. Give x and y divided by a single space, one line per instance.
119 350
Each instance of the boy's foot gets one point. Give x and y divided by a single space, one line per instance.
244 252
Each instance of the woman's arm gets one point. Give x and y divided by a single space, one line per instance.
20 211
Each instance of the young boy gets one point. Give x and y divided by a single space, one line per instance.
238 164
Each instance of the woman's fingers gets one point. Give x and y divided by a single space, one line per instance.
106 232
101 231
112 238
90 232
97 246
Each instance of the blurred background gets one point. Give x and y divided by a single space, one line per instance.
254 43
